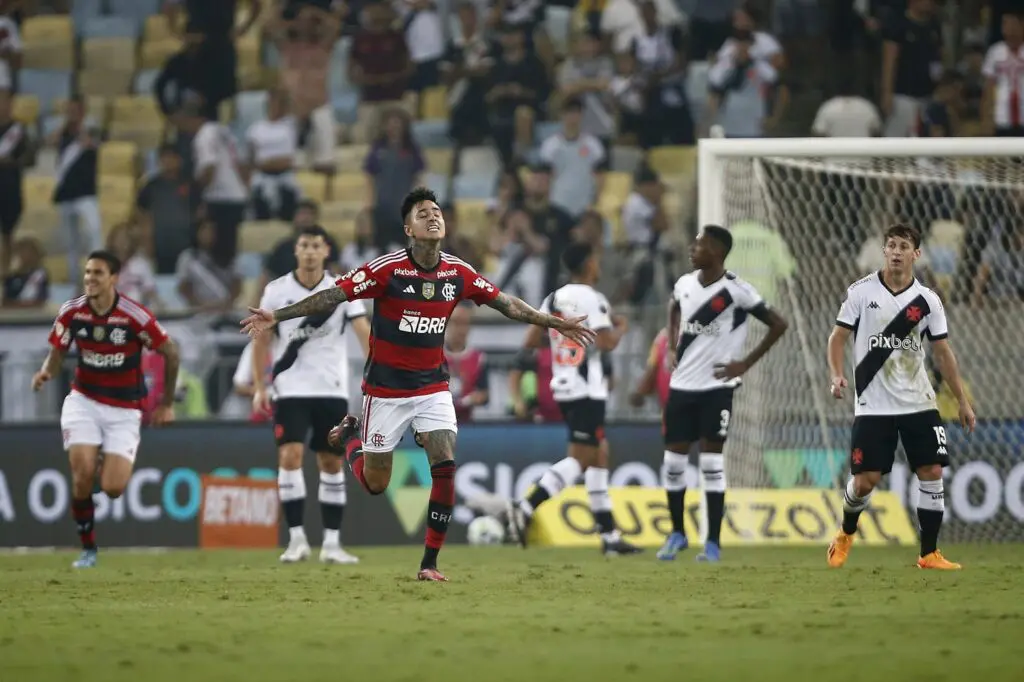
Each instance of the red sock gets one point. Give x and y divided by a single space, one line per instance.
83 512
439 510
354 455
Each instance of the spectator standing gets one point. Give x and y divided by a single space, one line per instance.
465 70
468 367
281 259
548 222
424 36
911 62
746 20
847 115
379 65
577 161
166 207
178 81
75 193
1001 275
136 279
15 151
10 52
219 173
523 257
528 16
660 58
644 221
1003 100
393 167
740 91
517 94
629 90
203 282
622 20
940 116
272 145
306 43
28 284
588 75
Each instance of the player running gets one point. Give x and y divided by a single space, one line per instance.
101 416
310 393
890 313
579 383
405 382
707 327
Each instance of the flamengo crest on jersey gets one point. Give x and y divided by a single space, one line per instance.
889 327
310 353
577 371
712 328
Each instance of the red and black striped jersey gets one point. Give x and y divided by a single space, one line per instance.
409 318
109 348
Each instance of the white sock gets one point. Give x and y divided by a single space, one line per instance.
932 497
851 502
596 480
673 471
332 538
562 474
712 470
296 534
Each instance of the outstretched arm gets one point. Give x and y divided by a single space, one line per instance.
515 308
319 303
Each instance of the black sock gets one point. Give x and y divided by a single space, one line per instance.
931 522
293 512
850 519
331 515
676 509
84 514
605 522
538 496
716 510
430 557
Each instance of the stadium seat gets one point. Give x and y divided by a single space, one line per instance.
118 159
97 110
349 187
350 157
156 27
250 107
116 54
104 82
83 10
26 109
153 54
167 292
135 109
114 26
46 85
439 160
673 160
38 190
58 269
49 124
147 135
338 211
438 184
626 159
46 161
431 134
43 223
474 186
258 236
346 107
617 185
343 231
116 189
145 81
480 161
48 43
434 103
313 185
113 213
472 216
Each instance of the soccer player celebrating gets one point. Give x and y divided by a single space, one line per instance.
101 416
890 313
707 329
310 393
579 383
405 382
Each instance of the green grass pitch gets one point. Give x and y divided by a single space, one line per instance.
544 614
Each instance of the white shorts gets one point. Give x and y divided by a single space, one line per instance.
322 136
386 419
83 421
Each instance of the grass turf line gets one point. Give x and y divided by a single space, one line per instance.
544 614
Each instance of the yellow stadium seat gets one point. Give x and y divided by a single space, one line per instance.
116 189
472 217
119 158
26 109
104 82
148 135
340 211
260 236
57 267
617 186
113 213
38 190
350 157
154 53
434 103
40 222
49 42
96 106
673 160
343 231
156 28
439 160
349 187
135 109
313 185
109 53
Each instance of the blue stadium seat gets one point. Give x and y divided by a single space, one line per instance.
137 10
110 27
49 123
144 81
271 56
62 293
82 10
249 265
47 85
151 161
557 24
346 106
476 186
431 134
545 129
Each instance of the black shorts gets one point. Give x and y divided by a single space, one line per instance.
691 416
10 209
874 438
295 418
585 420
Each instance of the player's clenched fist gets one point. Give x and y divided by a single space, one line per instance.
40 378
838 384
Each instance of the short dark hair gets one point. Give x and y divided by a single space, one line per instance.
414 197
112 261
313 231
308 205
576 255
904 231
572 104
168 148
720 235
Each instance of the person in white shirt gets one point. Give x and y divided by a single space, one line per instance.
218 171
1002 111
137 279
309 393
889 314
623 21
272 145
10 52
847 115
579 383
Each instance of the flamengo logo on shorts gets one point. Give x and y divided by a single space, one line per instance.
421 325
893 342
94 359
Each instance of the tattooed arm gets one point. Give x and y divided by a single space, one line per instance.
517 309
319 303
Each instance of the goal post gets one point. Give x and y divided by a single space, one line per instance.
808 216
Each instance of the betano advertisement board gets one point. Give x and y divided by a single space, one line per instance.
161 506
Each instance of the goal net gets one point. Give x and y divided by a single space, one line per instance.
807 217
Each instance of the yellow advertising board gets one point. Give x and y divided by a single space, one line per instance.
799 516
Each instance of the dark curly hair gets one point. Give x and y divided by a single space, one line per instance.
414 197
